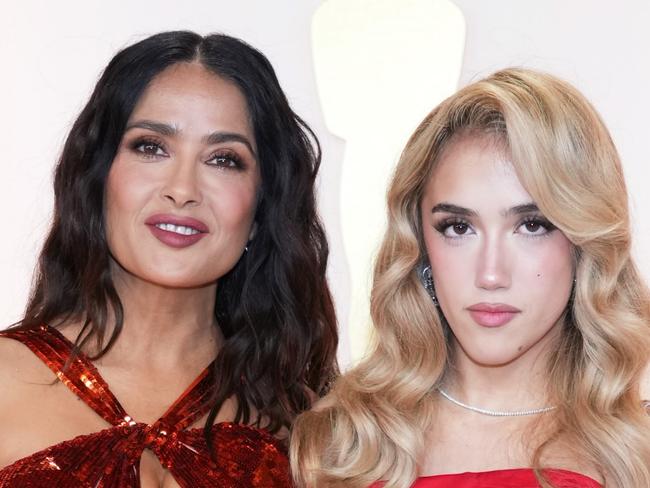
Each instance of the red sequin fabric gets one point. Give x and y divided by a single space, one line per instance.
245 456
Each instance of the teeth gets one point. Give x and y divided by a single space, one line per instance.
178 229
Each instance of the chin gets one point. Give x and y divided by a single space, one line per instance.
170 279
492 355
179 282
494 360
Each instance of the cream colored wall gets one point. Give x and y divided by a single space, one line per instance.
374 90
52 53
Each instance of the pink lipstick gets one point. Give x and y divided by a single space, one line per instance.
175 231
492 314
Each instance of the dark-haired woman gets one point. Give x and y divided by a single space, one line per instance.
180 296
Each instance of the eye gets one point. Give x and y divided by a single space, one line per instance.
226 159
458 229
535 226
148 148
453 228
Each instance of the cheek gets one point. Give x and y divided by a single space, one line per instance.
547 273
234 205
125 193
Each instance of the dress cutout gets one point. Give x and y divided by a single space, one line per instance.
245 456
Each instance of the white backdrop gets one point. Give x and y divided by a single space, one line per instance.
52 53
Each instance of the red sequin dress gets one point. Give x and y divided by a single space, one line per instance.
245 456
504 478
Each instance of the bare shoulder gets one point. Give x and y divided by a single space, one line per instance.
19 366
35 408
560 454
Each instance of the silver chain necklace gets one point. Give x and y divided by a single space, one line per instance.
495 413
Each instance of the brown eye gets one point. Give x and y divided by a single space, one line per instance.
454 228
226 159
151 149
533 227
148 148
460 228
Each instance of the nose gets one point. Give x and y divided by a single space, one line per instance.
493 266
181 186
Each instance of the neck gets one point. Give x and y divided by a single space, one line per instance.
517 385
165 327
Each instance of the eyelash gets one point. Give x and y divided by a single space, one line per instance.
539 221
445 224
231 160
137 144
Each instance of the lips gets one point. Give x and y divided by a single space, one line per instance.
492 314
176 231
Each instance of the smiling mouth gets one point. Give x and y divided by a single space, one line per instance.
178 229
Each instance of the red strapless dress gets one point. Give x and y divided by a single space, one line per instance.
504 478
110 458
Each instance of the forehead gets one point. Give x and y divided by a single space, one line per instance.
188 94
476 172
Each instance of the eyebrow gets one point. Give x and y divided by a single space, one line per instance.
170 130
521 209
453 209
466 212
219 137
159 127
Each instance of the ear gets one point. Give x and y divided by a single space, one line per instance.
253 231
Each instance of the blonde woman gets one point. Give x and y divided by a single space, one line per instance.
511 326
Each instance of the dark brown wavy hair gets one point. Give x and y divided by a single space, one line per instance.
274 307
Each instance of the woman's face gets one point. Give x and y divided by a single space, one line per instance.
181 192
502 273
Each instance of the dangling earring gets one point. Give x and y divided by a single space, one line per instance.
427 281
251 235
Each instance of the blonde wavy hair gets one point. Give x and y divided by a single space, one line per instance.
371 426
